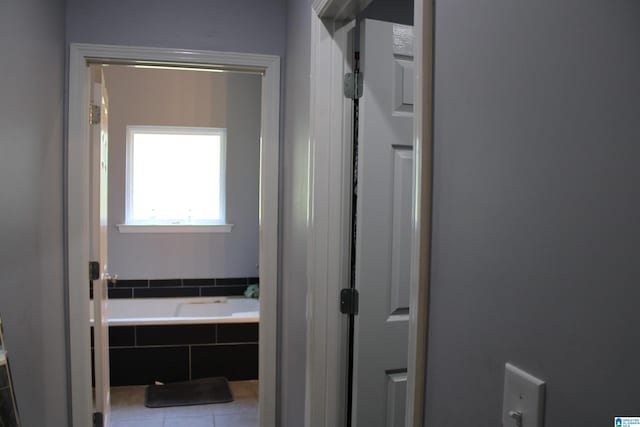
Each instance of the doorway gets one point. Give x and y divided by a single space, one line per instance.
331 46
182 231
382 216
79 193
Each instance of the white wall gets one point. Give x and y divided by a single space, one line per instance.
187 98
32 294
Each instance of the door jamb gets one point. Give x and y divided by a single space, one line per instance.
77 192
328 250
327 261
424 23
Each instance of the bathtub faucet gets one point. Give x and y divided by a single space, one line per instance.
252 291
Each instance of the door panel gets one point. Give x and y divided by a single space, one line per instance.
403 87
401 234
99 178
383 225
403 71
396 398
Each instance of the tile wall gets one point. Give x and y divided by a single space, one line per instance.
174 288
8 415
168 353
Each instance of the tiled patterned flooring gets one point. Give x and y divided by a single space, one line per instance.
128 410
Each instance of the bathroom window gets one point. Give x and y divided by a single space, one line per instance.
175 179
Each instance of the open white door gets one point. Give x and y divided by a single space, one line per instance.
99 173
383 224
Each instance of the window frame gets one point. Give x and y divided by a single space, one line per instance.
171 226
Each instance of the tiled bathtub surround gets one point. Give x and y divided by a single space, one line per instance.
168 353
8 415
174 288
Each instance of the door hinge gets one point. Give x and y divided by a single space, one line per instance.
98 419
349 301
94 270
353 84
94 114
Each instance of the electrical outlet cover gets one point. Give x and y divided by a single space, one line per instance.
523 393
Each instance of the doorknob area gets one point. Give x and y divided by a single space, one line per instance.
517 417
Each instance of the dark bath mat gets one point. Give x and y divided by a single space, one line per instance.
196 392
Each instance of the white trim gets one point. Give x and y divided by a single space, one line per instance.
339 10
320 6
131 130
422 205
78 210
174 228
328 249
324 338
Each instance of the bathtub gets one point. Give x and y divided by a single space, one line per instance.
180 311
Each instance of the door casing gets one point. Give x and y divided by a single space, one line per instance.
78 196
99 141
328 233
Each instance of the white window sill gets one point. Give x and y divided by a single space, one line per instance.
174 228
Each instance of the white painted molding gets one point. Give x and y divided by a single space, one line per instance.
77 193
339 10
135 54
320 6
328 249
174 228
421 239
269 241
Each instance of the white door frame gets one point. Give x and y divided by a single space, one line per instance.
78 193
330 213
328 266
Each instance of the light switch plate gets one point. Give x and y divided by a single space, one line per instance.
524 394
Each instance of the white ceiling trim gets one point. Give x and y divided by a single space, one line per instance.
339 9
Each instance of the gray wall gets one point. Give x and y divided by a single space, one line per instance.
187 98
536 207
294 213
31 195
229 25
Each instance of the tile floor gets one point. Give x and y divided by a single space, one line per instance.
128 410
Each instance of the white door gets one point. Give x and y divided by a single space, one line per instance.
383 224
99 174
